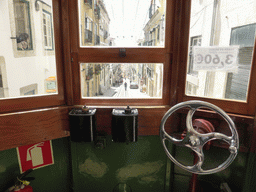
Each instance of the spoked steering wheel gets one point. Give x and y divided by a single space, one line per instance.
195 141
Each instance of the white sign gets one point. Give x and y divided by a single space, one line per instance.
215 58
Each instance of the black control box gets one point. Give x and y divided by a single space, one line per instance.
82 125
125 125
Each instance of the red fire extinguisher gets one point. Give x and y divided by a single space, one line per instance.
22 183
21 188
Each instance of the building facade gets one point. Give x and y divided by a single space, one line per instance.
27 54
222 23
94 19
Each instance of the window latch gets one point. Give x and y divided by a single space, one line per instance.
122 52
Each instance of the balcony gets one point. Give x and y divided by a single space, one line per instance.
1 92
105 34
149 73
145 43
88 2
97 11
97 69
88 36
152 10
89 74
152 42
97 40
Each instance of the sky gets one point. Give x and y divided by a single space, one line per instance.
127 18
49 2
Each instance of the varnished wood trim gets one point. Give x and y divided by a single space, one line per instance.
73 25
29 103
67 50
133 55
76 79
229 106
180 47
24 128
252 84
58 39
253 144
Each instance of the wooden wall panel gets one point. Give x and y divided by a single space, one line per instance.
149 120
24 128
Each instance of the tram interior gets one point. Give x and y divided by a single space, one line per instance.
175 112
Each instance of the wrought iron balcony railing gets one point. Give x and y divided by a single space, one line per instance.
89 2
88 36
97 40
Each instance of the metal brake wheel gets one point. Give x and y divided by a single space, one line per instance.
195 140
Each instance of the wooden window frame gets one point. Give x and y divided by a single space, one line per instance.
111 55
37 102
236 107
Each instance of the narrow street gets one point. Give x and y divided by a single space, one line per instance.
127 92
121 92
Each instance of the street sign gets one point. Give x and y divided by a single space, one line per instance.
215 58
35 156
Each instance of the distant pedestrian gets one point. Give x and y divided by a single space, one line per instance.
125 86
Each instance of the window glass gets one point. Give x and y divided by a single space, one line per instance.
22 24
126 23
27 56
47 30
122 80
222 36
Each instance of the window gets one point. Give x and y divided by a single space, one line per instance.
129 65
222 82
23 24
221 54
155 4
88 23
97 37
3 79
24 70
47 30
89 2
126 22
237 83
28 90
192 80
88 31
122 80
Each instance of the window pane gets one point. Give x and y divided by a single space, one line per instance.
22 24
111 80
222 36
126 23
26 68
